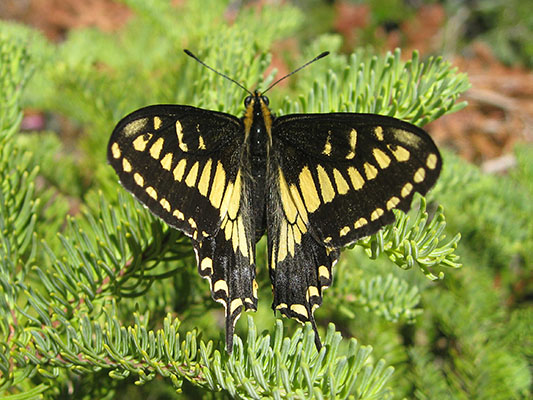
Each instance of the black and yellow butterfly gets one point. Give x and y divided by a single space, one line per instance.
312 182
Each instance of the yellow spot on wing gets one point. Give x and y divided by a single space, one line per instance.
282 251
273 257
406 190
220 285
234 305
126 166
312 291
290 240
242 237
201 144
406 137
235 236
352 143
165 204
378 130
356 178
180 169
299 203
301 225
226 199
370 171
178 214
228 229
378 212
217 187
234 203
308 188
326 188
300 310
155 150
393 202
382 159
342 185
344 231
157 123
192 175
203 183
135 126
140 142
431 161
353 139
206 263
179 132
288 204
400 153
254 288
420 175
323 272
360 223
166 161
139 180
327 147
115 150
151 192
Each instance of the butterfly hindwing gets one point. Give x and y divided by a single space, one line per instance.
352 170
300 266
227 260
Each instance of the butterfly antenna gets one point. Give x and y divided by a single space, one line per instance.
321 55
217 72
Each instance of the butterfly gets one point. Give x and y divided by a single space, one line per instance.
313 183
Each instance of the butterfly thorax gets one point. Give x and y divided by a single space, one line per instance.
257 123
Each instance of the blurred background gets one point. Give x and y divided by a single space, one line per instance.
491 40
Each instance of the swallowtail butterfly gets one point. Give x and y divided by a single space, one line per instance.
313 183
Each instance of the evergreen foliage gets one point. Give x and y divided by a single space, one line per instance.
96 294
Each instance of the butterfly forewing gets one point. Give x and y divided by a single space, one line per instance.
179 173
352 170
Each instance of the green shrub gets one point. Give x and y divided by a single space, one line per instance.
95 300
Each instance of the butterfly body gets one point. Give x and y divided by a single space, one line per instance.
259 120
312 183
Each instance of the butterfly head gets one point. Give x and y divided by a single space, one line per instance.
256 102
257 113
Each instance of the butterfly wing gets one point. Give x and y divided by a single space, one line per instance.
335 178
186 166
